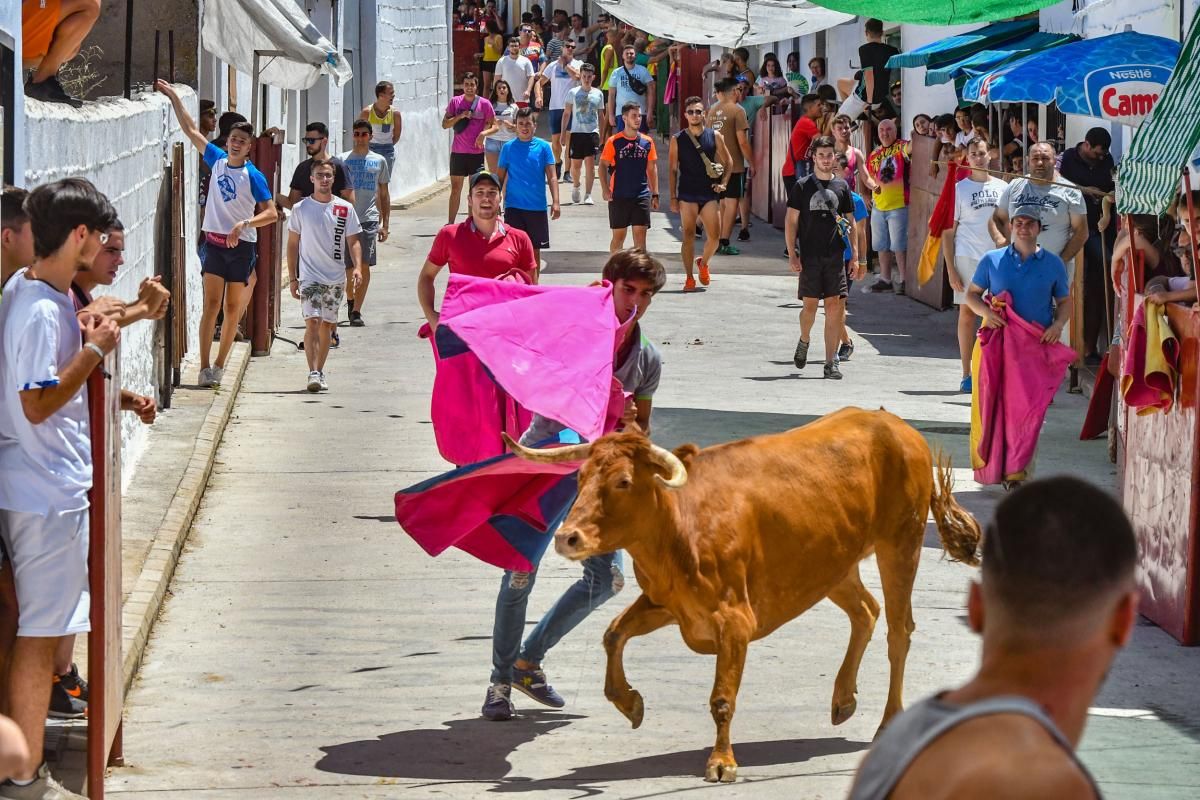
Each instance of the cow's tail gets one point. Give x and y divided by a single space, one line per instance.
957 528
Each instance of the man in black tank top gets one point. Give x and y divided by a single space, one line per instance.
695 190
1057 599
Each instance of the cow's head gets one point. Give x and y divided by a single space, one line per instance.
619 482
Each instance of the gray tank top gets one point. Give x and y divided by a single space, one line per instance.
907 736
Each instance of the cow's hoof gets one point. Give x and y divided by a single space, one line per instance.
843 711
634 709
716 772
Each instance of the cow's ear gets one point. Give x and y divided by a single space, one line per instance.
685 453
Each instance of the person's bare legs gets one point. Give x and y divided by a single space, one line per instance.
214 291
64 655
808 315
76 21
885 265
29 694
8 628
834 315
618 240
591 174
639 236
493 163
710 215
237 297
968 323
324 339
456 184
900 257
687 244
729 207
312 342
357 298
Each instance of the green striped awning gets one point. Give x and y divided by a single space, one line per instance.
937 12
1149 176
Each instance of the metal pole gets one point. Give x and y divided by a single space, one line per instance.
157 39
1024 137
254 93
129 48
171 52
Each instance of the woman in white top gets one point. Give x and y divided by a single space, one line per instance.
966 130
504 127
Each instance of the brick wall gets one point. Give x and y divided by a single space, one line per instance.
123 146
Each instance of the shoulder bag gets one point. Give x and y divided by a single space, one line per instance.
714 170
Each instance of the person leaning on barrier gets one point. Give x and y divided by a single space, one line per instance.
1055 602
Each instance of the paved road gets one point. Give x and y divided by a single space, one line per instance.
311 650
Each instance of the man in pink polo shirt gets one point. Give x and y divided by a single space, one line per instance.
482 245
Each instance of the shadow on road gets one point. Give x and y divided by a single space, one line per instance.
464 750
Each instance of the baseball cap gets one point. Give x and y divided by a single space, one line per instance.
1031 211
484 175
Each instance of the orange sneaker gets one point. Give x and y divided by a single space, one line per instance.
704 277
689 285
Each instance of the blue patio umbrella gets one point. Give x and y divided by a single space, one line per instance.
1116 77
997 56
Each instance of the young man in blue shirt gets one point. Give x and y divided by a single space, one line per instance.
526 168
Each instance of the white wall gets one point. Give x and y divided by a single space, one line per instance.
413 52
122 146
919 98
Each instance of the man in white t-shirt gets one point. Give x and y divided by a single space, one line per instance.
581 120
320 230
368 174
973 234
563 75
517 70
46 356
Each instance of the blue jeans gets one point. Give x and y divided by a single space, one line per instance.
602 578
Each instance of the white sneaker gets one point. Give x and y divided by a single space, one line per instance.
575 195
324 385
44 787
587 200
216 374
205 380
314 381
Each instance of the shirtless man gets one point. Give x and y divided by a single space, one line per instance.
1055 602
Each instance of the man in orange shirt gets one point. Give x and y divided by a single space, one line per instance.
629 180
51 33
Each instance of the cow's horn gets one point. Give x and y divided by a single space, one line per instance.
669 460
551 455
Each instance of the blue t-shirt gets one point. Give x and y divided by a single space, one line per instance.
619 81
1034 283
860 213
525 163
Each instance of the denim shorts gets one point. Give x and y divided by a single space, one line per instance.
556 115
889 230
493 146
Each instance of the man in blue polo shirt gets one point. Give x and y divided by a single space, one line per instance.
1034 277
526 169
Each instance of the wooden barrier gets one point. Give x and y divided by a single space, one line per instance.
174 278
764 168
467 44
106 696
924 192
262 316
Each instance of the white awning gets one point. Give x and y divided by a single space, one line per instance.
293 53
727 23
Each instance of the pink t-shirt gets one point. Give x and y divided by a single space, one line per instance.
480 118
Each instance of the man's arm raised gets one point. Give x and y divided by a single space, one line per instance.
185 119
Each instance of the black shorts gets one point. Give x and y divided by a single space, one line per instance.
487 66
626 212
736 186
464 164
535 223
699 199
584 145
822 278
232 264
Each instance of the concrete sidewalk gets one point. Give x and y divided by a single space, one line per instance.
310 649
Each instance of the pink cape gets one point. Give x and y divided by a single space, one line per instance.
1016 376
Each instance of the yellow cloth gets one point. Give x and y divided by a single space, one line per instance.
929 257
976 420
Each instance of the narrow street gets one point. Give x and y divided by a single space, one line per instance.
310 649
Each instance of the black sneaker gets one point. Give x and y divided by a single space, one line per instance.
349 308
51 91
533 683
832 372
334 340
845 350
800 357
74 683
356 320
63 705
881 285
744 235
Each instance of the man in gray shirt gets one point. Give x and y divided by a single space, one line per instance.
1064 215
368 176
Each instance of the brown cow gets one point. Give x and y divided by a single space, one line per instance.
732 541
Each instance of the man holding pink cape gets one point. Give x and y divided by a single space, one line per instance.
1018 360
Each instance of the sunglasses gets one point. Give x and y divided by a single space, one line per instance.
694 112
312 139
